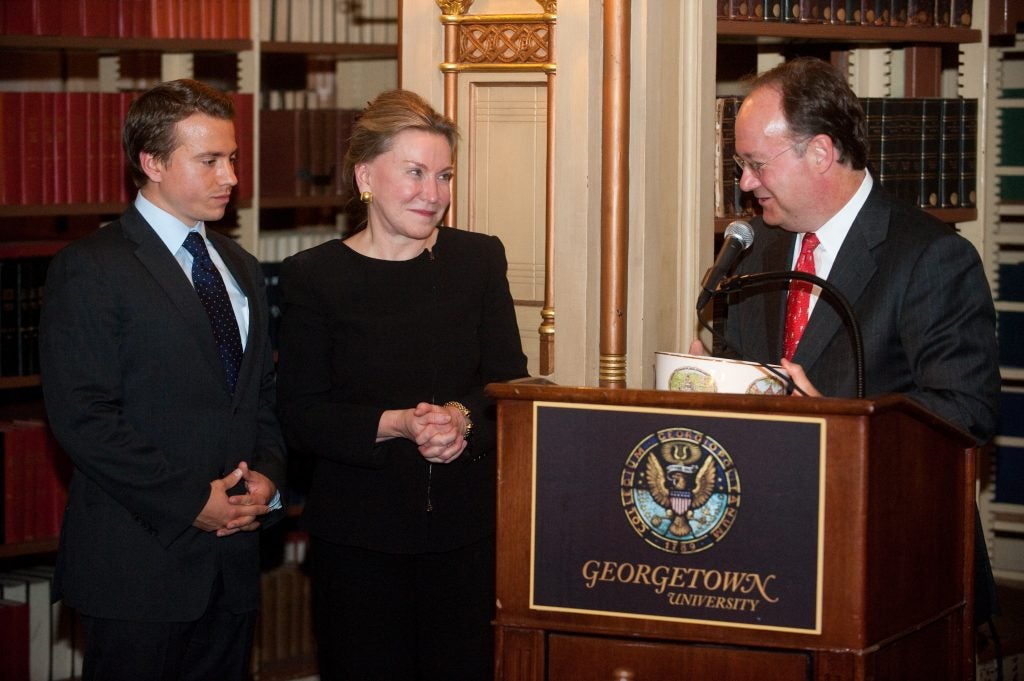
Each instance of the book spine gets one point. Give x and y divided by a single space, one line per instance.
929 134
898 10
8 318
77 156
10 148
949 155
31 143
968 153
962 13
59 134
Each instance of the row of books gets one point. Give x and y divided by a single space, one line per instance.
276 245
330 21
36 473
21 301
898 13
923 150
209 19
41 641
306 154
65 147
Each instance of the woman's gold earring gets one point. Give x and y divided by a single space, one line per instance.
366 197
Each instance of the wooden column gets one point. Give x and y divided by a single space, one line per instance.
614 194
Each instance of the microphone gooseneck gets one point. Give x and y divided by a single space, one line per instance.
829 291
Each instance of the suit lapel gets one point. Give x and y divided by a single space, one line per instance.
159 262
853 269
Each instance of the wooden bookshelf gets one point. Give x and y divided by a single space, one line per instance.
769 32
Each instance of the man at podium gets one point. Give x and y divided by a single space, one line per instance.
917 289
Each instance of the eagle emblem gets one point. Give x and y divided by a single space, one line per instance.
681 485
680 490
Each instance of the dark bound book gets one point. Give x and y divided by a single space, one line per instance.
898 12
968 153
961 13
771 10
949 154
920 12
929 134
9 362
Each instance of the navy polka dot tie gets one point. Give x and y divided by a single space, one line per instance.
214 296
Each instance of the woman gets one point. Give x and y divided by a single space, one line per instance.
387 341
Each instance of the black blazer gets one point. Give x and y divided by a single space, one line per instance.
920 295
135 394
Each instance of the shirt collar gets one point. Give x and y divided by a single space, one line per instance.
170 229
832 234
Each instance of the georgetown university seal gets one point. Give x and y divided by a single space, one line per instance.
680 490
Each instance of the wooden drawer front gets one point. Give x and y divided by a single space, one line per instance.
577 658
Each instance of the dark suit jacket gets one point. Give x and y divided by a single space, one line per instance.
135 393
920 295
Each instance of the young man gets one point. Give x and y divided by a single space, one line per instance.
158 382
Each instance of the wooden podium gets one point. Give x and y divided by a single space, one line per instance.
654 535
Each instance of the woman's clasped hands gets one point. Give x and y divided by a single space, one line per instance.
437 431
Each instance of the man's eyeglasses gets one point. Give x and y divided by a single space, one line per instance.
757 167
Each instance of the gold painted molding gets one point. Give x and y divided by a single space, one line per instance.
449 7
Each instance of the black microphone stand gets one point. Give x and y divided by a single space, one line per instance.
741 281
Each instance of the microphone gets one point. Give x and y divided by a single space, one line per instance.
738 237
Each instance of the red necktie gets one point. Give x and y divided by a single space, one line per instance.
799 297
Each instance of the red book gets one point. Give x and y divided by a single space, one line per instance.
59 126
109 134
125 190
47 16
164 19
76 116
125 13
211 19
46 148
18 15
52 474
236 19
71 21
231 21
15 636
194 19
10 148
142 17
31 144
14 483
95 17
32 493
92 147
